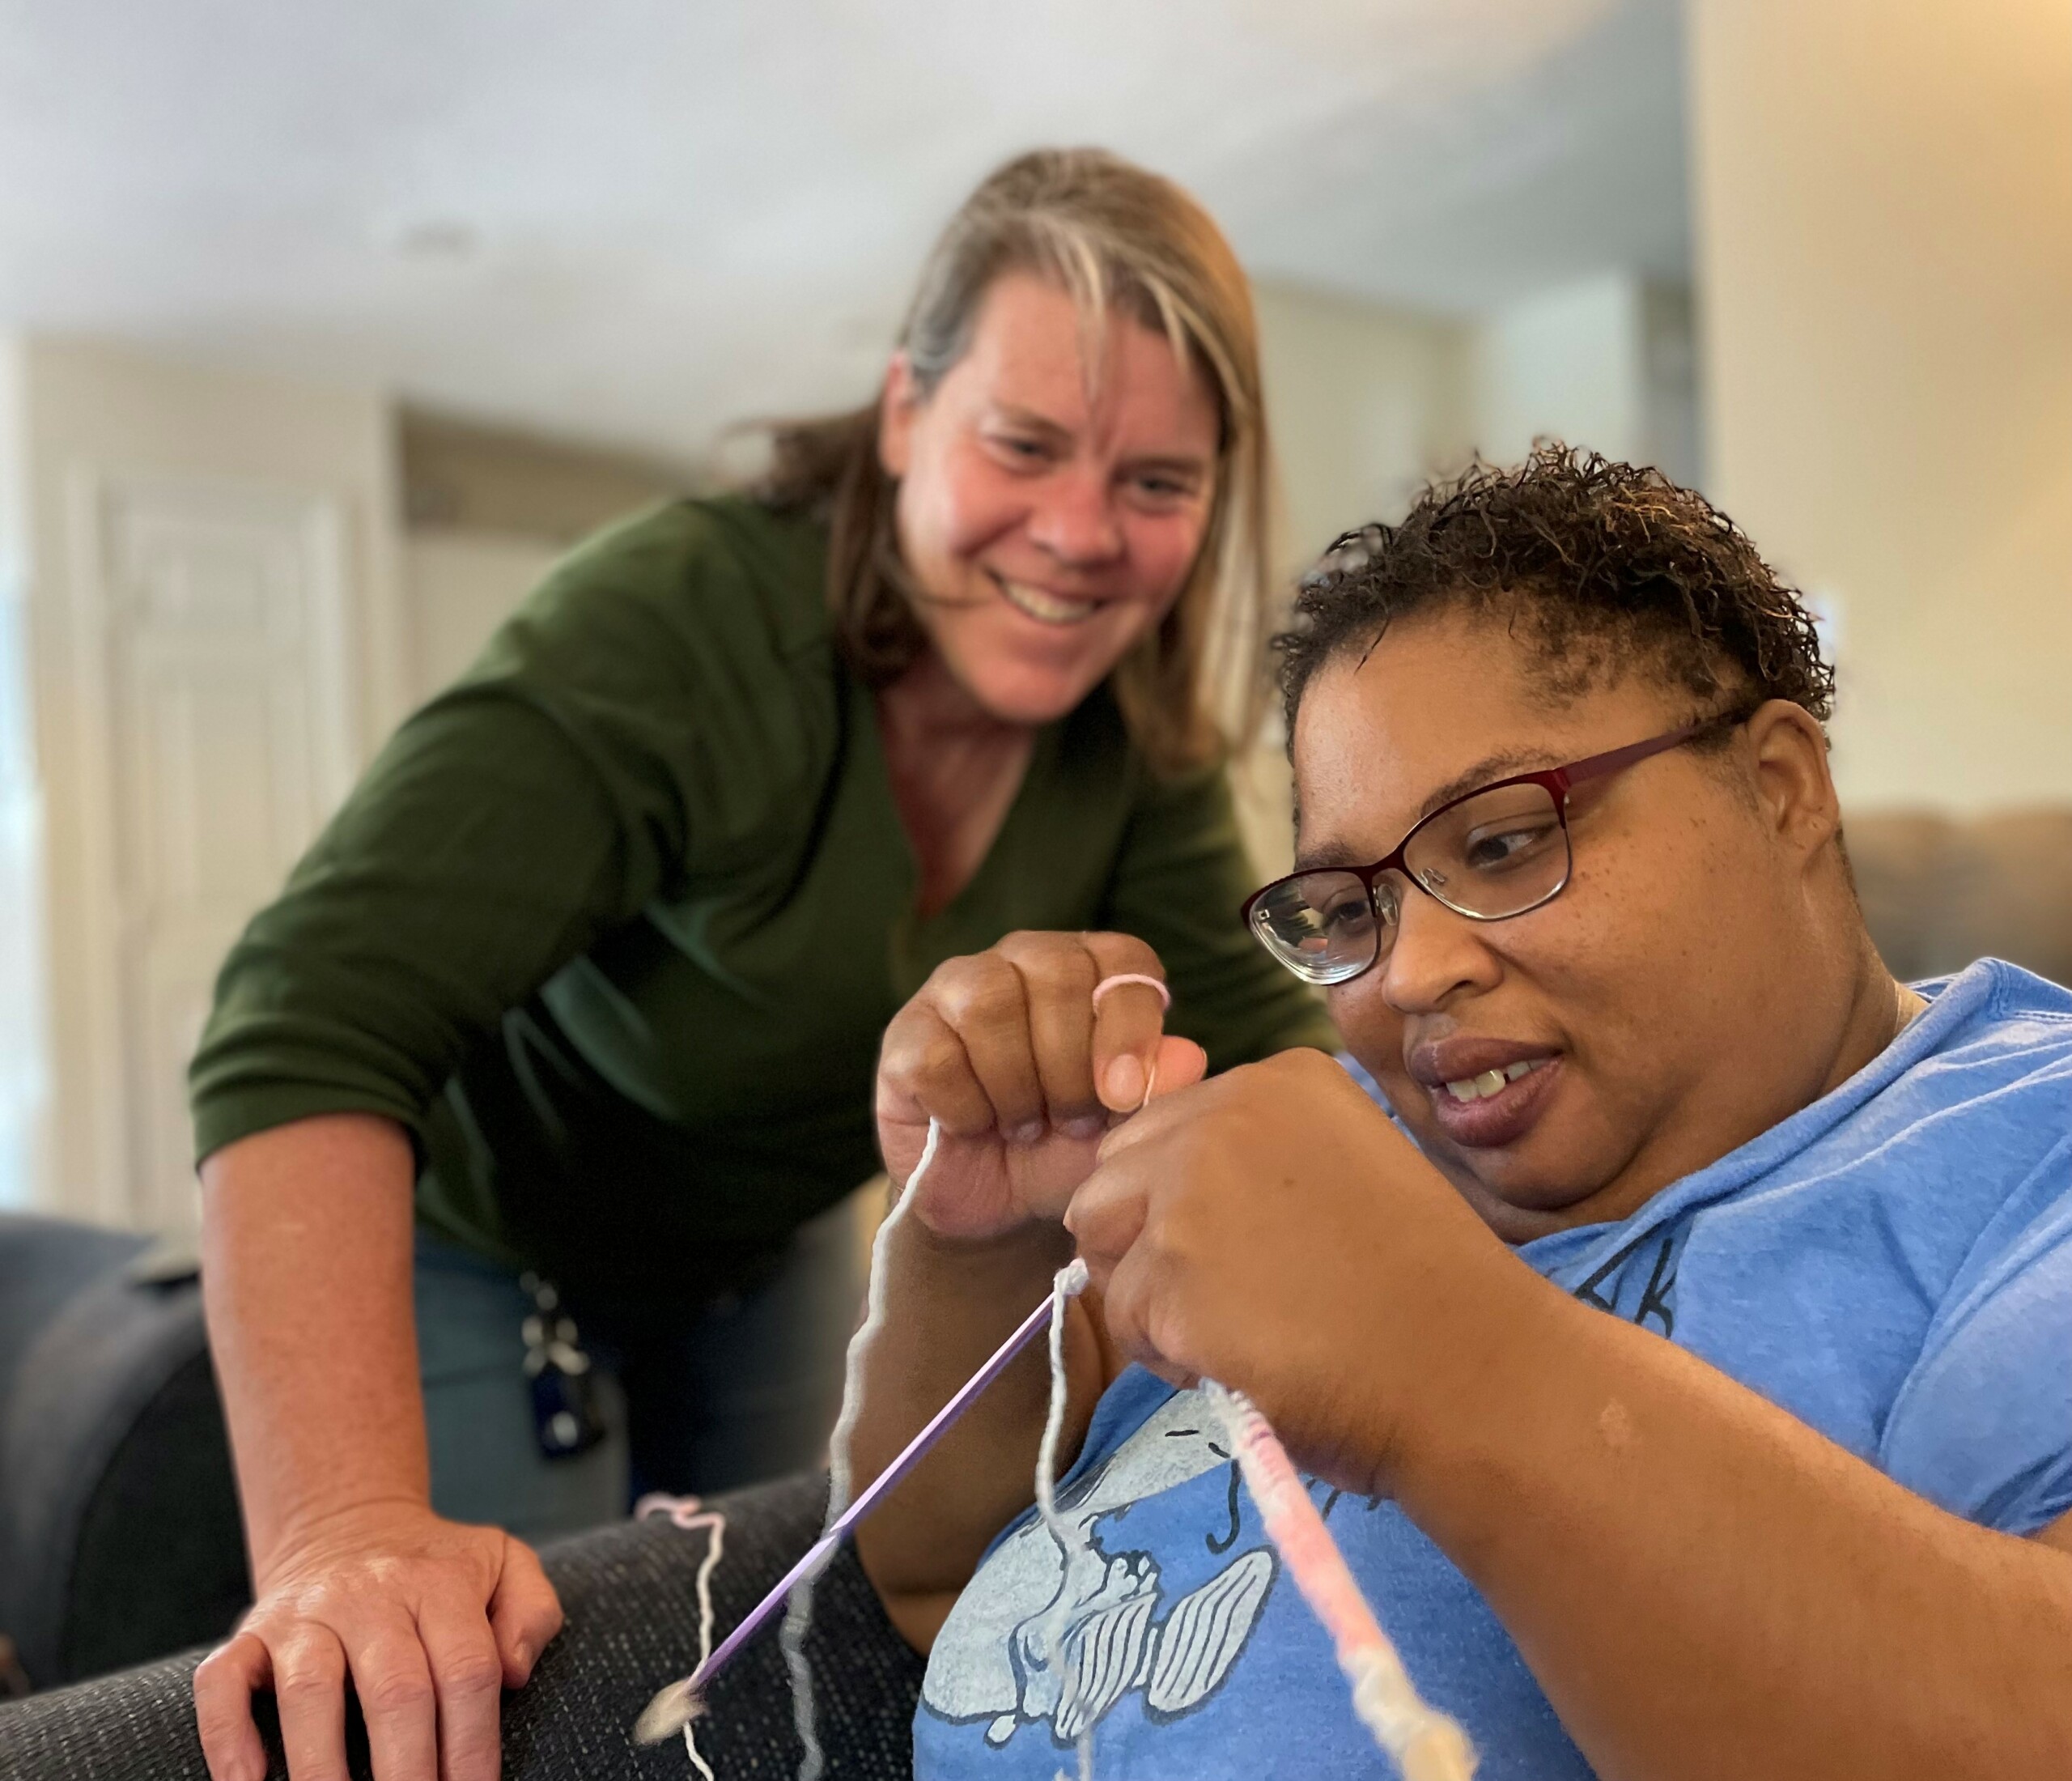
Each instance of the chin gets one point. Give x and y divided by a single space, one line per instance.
1032 699
1535 1179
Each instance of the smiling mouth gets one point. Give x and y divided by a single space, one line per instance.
1476 1088
1047 608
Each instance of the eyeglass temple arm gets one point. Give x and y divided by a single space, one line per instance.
1612 760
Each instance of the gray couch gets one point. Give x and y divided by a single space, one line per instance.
629 1592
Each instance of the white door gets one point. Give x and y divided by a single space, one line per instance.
220 638
215 636
212 623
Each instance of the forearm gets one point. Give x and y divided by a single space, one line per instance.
306 1274
950 1305
1706 1587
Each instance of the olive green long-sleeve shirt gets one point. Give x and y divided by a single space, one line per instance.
613 926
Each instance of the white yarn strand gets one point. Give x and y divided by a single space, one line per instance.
1070 1281
689 1513
798 1609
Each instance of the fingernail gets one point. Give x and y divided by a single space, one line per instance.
1125 1082
1085 1125
1027 1132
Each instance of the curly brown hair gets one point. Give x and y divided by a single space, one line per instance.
1596 564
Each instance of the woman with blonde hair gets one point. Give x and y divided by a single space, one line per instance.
599 953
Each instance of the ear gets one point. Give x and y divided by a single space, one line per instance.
895 416
1794 791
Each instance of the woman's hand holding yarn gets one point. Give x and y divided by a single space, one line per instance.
1008 1051
1272 1229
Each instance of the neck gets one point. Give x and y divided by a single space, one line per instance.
927 705
954 767
1878 1006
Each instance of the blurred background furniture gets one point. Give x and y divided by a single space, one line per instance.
118 1536
1939 891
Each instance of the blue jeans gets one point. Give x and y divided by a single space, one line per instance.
732 1393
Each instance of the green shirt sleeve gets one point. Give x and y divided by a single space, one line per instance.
653 688
1182 875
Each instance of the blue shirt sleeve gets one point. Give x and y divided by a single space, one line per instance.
1983 1426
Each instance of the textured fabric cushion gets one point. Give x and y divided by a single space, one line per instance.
630 1594
119 1537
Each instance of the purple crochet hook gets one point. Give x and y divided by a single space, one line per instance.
681 1702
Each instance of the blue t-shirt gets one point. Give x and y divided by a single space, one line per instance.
1892 1264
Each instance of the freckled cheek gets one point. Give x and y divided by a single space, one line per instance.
1583 954
1373 1032
1615 969
1157 554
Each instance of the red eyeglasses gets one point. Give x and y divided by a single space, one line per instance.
1490 854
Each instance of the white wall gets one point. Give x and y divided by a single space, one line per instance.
1364 403
1605 363
1885 242
1367 402
1566 363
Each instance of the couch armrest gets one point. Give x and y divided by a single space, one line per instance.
629 1595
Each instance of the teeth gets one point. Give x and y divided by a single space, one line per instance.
1473 1088
1047 608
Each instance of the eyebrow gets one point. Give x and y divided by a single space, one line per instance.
1182 463
1490 769
1028 417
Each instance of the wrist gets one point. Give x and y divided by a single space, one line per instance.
1484 1380
1038 1247
331 1524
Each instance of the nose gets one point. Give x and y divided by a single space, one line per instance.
1438 955
1075 520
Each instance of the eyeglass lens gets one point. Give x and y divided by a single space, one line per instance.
1497 853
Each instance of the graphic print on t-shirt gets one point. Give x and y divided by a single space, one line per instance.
1638 1283
1124 1630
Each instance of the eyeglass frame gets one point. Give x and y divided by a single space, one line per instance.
1557 782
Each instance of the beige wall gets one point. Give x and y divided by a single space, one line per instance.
460 585
1884 203
1365 402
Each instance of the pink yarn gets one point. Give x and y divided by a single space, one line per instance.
1425 1743
1122 977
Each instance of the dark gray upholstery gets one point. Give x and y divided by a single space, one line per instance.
119 1537
629 1595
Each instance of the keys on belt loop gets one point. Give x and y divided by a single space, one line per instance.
566 1414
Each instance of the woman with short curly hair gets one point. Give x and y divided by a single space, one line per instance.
1677 1356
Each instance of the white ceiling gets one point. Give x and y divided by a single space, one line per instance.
635 219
